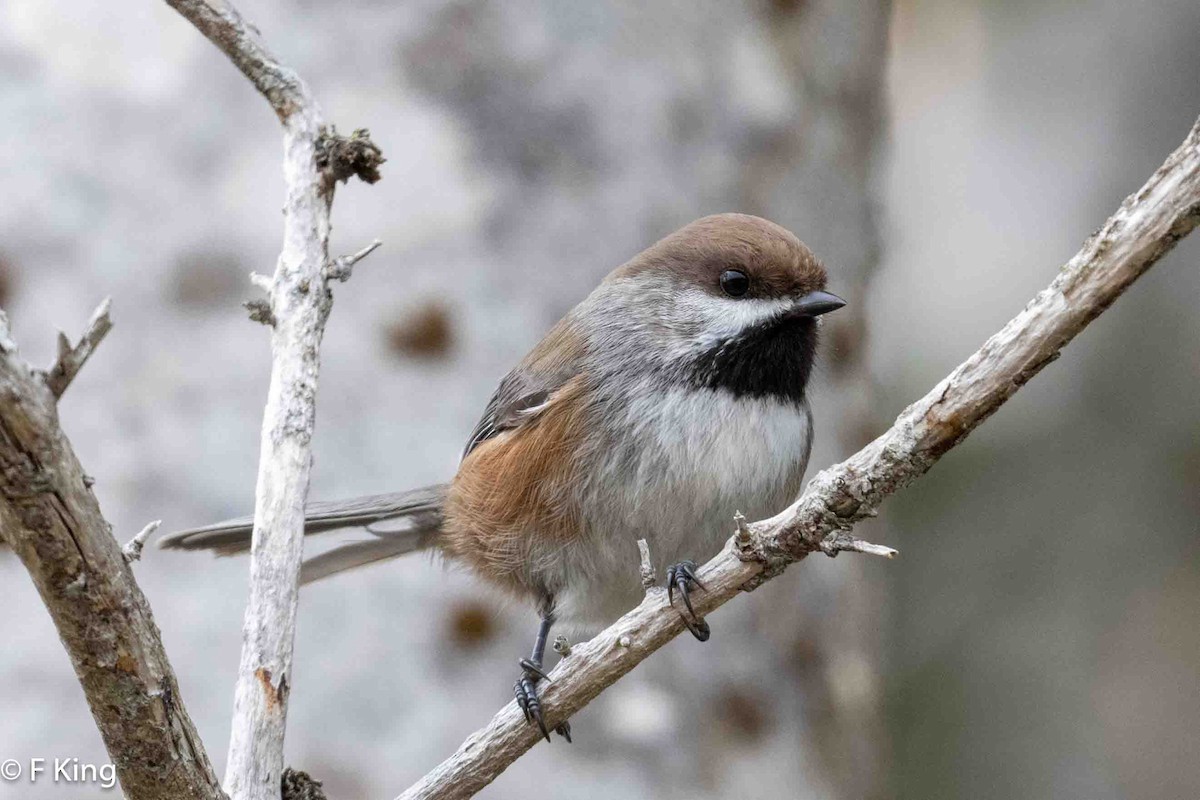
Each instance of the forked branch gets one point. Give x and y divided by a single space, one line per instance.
72 357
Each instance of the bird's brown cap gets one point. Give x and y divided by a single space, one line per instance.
777 263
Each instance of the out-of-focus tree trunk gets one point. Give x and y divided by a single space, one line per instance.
817 178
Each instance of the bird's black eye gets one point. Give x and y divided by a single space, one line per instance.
734 282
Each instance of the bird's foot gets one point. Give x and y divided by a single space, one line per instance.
682 578
525 690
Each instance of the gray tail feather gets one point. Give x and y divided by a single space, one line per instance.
359 554
418 512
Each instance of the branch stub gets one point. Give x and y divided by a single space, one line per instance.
343 157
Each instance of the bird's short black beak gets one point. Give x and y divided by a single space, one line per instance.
814 304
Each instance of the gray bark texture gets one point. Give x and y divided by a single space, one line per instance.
50 518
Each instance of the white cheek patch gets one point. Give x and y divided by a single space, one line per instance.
665 322
721 318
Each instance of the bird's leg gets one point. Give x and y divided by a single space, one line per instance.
525 688
682 578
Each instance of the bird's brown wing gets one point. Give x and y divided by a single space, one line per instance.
524 393
510 405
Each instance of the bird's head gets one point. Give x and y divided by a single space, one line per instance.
730 301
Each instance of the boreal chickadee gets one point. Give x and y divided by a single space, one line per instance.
672 396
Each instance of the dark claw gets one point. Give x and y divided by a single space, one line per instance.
688 568
681 583
531 669
522 701
698 627
525 690
682 577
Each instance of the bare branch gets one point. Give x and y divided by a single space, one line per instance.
51 519
261 281
343 266
841 542
649 576
297 307
240 41
133 548
1146 226
71 358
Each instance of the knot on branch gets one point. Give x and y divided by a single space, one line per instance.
749 545
777 546
297 785
343 157
260 311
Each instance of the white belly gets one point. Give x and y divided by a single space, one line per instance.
675 476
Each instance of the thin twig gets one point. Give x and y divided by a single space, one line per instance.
342 266
649 576
133 548
240 41
71 358
843 543
1147 225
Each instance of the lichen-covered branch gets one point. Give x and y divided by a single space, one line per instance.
296 308
51 520
1142 230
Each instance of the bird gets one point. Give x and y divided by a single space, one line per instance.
673 396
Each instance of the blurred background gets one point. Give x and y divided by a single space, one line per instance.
1038 636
